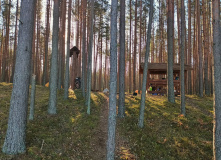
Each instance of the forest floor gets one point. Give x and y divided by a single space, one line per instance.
72 134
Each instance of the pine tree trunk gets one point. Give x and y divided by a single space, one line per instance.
54 61
66 83
1 51
16 134
90 58
130 73
206 48
194 50
32 105
182 59
170 46
217 79
6 47
47 32
113 83
15 42
121 106
33 46
178 30
200 52
135 50
152 52
189 48
140 46
143 95
37 44
83 48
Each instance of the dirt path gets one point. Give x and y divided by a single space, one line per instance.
100 138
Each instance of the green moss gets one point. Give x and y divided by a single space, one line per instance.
66 135
167 134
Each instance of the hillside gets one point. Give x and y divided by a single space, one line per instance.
72 134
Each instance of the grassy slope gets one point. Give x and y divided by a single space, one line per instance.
66 135
69 134
166 134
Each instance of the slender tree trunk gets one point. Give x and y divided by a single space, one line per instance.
130 73
1 50
182 59
83 48
45 70
170 46
113 83
178 26
143 95
217 79
121 106
135 49
95 63
161 36
105 73
66 84
32 105
189 48
152 53
140 45
16 134
33 46
206 48
15 42
62 45
6 48
37 43
90 58
54 61
194 51
200 53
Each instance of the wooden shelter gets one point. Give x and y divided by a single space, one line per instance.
157 77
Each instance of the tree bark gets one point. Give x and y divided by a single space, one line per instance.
32 105
16 134
15 42
54 61
206 48
90 58
182 59
83 48
170 46
66 83
135 49
143 94
130 73
47 32
121 106
140 52
178 30
217 79
113 83
199 46
189 48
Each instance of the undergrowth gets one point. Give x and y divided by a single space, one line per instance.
167 134
69 134
66 135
